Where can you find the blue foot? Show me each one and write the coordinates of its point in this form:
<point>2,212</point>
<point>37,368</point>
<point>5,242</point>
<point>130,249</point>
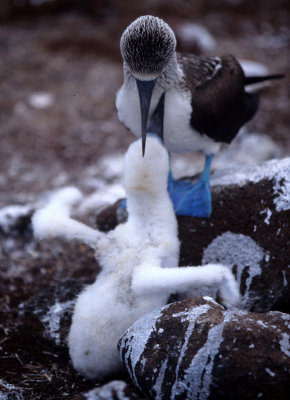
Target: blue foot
<point>123,204</point>
<point>192,199</point>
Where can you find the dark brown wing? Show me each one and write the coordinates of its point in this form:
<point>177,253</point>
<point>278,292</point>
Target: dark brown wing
<point>220,105</point>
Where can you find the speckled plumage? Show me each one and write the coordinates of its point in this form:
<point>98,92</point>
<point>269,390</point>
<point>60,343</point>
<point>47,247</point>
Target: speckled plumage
<point>205,98</point>
<point>151,54</point>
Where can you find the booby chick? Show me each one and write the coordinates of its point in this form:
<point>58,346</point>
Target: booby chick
<point>205,101</point>
<point>138,259</point>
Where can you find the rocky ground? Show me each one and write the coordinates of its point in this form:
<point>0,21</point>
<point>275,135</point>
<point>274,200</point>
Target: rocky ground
<point>59,74</point>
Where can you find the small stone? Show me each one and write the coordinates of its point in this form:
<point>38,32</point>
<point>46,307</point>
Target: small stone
<point>40,100</point>
<point>114,390</point>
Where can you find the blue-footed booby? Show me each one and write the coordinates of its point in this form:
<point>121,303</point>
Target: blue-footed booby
<point>200,102</point>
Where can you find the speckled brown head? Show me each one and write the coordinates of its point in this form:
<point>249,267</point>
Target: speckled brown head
<point>147,47</point>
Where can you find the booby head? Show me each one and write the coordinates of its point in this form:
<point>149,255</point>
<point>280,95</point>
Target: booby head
<point>147,46</point>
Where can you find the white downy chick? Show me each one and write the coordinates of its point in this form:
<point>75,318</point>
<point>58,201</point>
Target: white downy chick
<point>108,307</point>
<point>139,261</point>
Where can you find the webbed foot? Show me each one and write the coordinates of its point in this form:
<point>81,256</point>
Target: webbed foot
<point>192,199</point>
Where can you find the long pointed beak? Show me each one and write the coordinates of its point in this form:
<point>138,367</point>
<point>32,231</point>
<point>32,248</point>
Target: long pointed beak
<point>145,89</point>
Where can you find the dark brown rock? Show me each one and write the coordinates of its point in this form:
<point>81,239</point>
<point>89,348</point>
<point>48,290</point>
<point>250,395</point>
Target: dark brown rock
<point>109,217</point>
<point>15,221</point>
<point>195,349</point>
<point>51,310</point>
<point>248,231</point>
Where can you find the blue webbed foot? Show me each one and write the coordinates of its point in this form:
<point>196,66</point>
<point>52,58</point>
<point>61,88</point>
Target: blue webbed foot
<point>192,199</point>
<point>123,204</point>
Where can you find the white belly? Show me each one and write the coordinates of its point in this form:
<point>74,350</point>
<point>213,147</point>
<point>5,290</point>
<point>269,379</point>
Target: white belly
<point>178,134</point>
<point>100,318</point>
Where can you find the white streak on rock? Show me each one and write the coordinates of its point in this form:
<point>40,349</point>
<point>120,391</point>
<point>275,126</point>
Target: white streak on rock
<point>261,323</point>
<point>282,190</point>
<point>198,376</point>
<point>157,388</point>
<point>236,250</point>
<point>285,344</point>
<point>268,215</point>
<point>271,373</point>
<point>285,317</point>
<point>51,320</point>
<point>208,298</point>
<point>285,282</point>
<point>138,335</point>
<point>190,316</point>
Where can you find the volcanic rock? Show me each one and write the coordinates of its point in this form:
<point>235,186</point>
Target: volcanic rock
<point>15,220</point>
<point>195,349</point>
<point>248,231</point>
<point>52,310</point>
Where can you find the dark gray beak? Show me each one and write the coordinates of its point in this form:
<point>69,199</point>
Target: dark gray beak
<point>145,89</point>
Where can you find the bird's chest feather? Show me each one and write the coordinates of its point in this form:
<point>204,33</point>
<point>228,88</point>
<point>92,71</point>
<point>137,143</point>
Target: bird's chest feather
<point>179,136</point>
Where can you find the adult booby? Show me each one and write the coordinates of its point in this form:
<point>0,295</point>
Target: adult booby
<point>203,99</point>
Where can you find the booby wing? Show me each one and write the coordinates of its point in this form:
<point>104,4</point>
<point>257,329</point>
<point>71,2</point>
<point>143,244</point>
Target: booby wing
<point>220,105</point>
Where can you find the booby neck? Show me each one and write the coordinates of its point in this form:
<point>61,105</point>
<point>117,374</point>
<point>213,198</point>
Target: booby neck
<point>145,210</point>
<point>145,181</point>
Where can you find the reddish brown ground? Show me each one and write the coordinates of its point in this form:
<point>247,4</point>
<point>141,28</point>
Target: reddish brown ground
<point>76,58</point>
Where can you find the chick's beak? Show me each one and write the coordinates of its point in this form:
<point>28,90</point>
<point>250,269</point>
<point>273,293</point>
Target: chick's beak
<point>145,89</point>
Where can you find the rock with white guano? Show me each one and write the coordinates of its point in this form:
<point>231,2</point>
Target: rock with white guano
<point>51,309</point>
<point>248,231</point>
<point>195,349</point>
